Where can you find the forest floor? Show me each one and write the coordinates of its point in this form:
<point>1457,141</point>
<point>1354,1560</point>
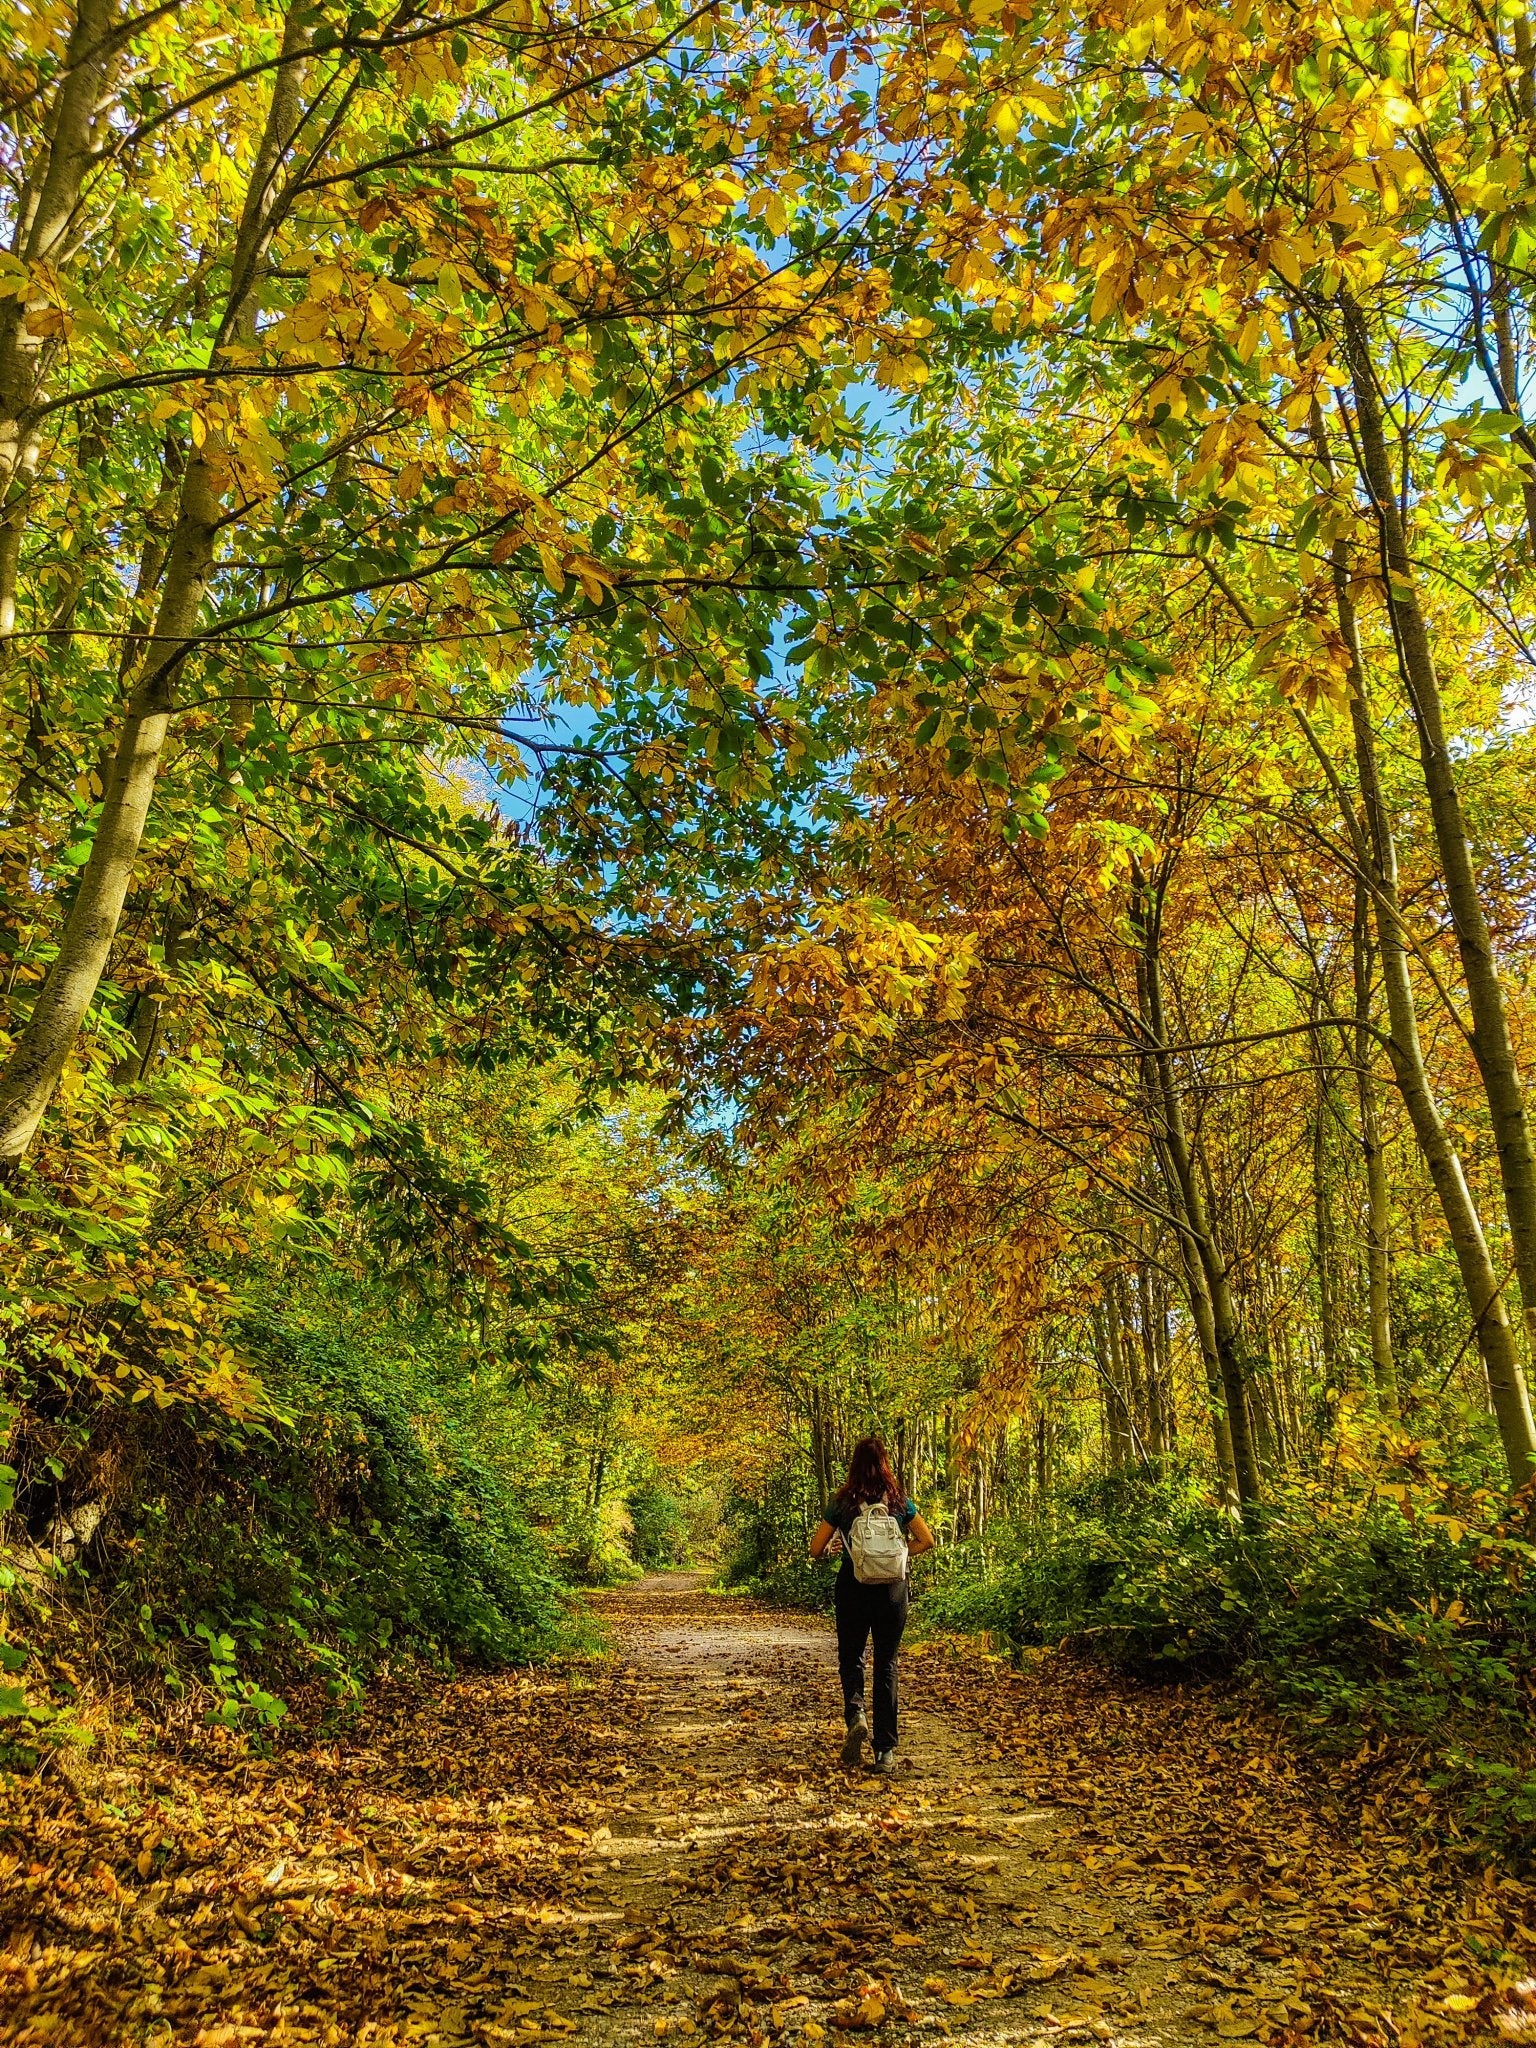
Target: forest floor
<point>662,1845</point>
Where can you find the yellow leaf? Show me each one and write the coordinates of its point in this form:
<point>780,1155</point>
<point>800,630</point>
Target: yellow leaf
<point>554,573</point>
<point>1282,257</point>
<point>310,322</point>
<point>1106,296</point>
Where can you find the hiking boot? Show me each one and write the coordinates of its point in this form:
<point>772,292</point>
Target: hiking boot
<point>853,1742</point>
<point>883,1764</point>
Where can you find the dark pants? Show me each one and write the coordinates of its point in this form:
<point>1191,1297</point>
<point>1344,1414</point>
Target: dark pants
<point>862,1612</point>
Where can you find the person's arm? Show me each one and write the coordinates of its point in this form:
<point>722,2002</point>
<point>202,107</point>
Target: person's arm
<point>920,1537</point>
<point>823,1535</point>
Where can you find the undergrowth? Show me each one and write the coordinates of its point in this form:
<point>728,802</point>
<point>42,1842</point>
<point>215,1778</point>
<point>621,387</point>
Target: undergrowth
<point>767,1535</point>
<point>361,1523</point>
<point>1386,1612</point>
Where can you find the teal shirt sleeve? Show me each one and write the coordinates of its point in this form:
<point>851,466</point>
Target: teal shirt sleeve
<point>841,1516</point>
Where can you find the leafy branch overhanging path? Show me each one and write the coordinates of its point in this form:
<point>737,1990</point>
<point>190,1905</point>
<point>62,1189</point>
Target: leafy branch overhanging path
<point>662,1847</point>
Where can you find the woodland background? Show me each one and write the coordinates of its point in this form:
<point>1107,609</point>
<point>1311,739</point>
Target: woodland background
<point>720,725</point>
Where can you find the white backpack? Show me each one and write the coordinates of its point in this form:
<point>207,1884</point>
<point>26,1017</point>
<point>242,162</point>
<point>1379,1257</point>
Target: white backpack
<point>877,1547</point>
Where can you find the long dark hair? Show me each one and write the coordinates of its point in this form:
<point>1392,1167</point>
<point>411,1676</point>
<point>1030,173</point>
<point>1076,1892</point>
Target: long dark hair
<point>870,1477</point>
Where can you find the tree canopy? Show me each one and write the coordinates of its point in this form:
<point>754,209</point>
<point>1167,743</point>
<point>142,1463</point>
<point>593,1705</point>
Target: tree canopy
<point>723,724</point>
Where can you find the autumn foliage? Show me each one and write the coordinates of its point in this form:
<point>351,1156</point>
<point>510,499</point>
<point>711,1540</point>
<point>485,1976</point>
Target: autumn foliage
<point>726,725</point>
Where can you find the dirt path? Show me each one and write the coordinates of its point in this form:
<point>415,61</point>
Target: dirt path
<point>663,1847</point>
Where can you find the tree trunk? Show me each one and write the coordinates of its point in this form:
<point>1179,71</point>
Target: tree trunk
<point>1222,1338</point>
<point>1197,1295</point>
<point>1494,1331</point>
<point>1378,1259</point>
<point>47,228</point>
<point>1042,1465</point>
<point>42,1047</point>
<point>32,1072</point>
<point>1324,1236</point>
<point>1161,1425</point>
<point>1258,1314</point>
<point>1106,1345</point>
<point>1509,378</point>
<point>1492,1044</point>
<point>1133,1361</point>
<point>821,1449</point>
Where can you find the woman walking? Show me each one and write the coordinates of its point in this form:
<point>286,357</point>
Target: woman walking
<point>879,1530</point>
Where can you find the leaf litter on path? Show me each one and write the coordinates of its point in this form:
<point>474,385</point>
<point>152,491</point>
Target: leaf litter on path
<point>663,1847</point>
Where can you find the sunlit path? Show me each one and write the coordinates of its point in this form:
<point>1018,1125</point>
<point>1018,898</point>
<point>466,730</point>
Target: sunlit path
<point>663,1847</point>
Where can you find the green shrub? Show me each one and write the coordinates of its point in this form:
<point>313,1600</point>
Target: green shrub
<point>658,1536</point>
<point>768,1535</point>
<point>367,1525</point>
<point>593,1545</point>
<point>1375,1606</point>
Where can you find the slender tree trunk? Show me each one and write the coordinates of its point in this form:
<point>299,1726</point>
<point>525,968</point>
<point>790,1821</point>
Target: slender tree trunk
<point>1324,1236</point>
<point>47,230</point>
<point>1258,1314</point>
<point>45,1043</point>
<point>821,1449</point>
<point>1218,1304</point>
<point>1494,1331</point>
<point>1492,1043</point>
<point>1132,1363</point>
<point>43,1046</point>
<point>1509,377</point>
<point>1378,1215</point>
<point>1112,1384</point>
<point>1197,1294</point>
<point>1154,1330</point>
<point>144,1021</point>
<point>1162,1291</point>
